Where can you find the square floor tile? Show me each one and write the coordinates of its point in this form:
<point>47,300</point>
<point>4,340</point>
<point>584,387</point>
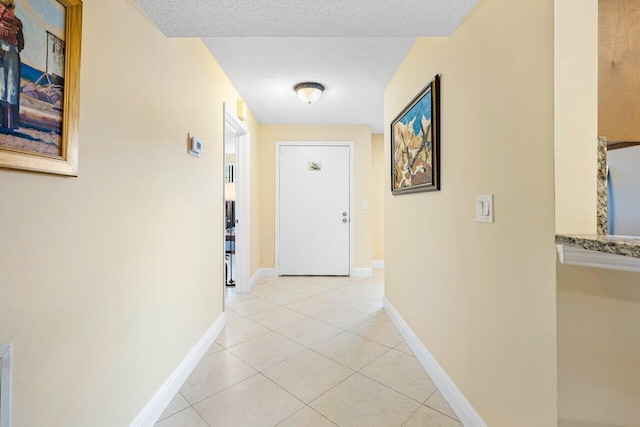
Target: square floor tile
<point>306,417</point>
<point>307,375</point>
<point>185,418</point>
<point>307,288</point>
<point>177,404</point>
<point>380,331</point>
<point>309,332</point>
<point>366,305</point>
<point>283,296</point>
<point>238,331</point>
<point>340,297</point>
<point>342,317</point>
<point>215,347</point>
<point>251,306</point>
<point>261,289</point>
<point>404,347</point>
<point>437,401</point>
<point>364,289</point>
<point>276,317</point>
<point>231,315</point>
<point>401,372</point>
<point>351,350</point>
<point>359,401</point>
<point>256,402</point>
<point>215,373</point>
<point>312,305</point>
<point>331,282</point>
<point>384,316</point>
<point>266,350</point>
<point>290,282</point>
<point>427,417</point>
<point>233,297</point>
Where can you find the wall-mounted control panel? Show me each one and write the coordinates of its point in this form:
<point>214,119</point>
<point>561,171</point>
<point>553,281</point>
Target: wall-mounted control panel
<point>484,208</point>
<point>195,146</point>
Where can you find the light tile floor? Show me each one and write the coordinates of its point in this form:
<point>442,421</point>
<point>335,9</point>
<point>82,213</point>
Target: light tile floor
<point>309,351</point>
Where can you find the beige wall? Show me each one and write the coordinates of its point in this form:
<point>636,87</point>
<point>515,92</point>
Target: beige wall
<point>361,137</point>
<point>598,309</point>
<point>576,115</point>
<point>598,346</point>
<point>108,280</point>
<point>378,189</point>
<point>481,297</point>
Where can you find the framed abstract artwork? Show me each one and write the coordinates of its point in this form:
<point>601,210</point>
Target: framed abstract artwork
<point>39,84</point>
<point>415,143</point>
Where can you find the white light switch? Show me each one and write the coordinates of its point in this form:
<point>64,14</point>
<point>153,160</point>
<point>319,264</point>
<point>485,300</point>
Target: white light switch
<point>484,208</point>
<point>365,205</point>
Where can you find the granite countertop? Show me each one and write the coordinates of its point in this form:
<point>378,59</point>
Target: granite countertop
<point>617,245</point>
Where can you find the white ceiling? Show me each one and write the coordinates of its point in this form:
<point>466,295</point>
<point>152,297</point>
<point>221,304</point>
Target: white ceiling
<point>352,47</point>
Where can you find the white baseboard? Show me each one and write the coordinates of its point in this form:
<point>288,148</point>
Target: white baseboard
<point>460,405</point>
<point>362,272</point>
<point>377,264</point>
<point>268,272</point>
<point>261,272</point>
<point>5,384</point>
<point>159,402</point>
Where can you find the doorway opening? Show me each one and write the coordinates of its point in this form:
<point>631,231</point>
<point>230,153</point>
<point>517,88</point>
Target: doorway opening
<point>236,204</point>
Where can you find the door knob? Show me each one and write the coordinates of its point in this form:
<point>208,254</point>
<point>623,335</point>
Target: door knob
<point>344,214</point>
<point>344,220</point>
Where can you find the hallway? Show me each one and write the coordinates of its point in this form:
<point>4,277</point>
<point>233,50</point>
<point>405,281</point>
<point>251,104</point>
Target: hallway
<point>309,351</point>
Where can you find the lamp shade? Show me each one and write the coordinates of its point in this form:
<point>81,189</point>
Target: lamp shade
<point>230,191</point>
<point>309,92</point>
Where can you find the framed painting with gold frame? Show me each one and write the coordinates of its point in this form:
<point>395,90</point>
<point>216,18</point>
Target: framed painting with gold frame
<point>40,43</point>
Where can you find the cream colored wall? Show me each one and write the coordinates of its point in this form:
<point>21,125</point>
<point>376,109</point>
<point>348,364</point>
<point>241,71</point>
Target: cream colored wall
<point>576,115</point>
<point>481,297</point>
<point>378,172</point>
<point>598,309</point>
<point>108,280</point>
<point>598,345</point>
<point>361,136</point>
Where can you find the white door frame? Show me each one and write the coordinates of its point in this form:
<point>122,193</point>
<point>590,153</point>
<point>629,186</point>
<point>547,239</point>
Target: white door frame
<point>351,192</point>
<point>242,255</point>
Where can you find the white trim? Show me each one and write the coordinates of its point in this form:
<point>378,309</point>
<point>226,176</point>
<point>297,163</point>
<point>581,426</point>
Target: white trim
<point>578,256</point>
<point>242,255</point>
<point>260,273</point>
<point>5,385</point>
<point>159,402</point>
<point>351,194</point>
<point>460,405</point>
<point>254,279</point>
<point>268,272</point>
<point>362,272</point>
<point>377,264</point>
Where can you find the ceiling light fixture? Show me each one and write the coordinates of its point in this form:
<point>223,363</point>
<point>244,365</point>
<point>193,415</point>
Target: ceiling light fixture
<point>309,92</point>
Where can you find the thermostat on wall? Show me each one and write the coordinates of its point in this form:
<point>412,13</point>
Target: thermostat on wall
<point>195,146</point>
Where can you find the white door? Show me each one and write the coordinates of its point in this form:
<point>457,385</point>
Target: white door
<point>314,210</point>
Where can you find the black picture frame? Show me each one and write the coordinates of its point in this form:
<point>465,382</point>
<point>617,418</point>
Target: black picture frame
<point>415,158</point>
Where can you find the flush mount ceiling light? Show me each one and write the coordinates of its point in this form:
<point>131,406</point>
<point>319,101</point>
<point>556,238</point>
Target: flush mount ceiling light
<point>308,92</point>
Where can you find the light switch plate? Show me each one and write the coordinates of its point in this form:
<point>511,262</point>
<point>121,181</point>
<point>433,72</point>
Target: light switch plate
<point>365,205</point>
<point>484,208</point>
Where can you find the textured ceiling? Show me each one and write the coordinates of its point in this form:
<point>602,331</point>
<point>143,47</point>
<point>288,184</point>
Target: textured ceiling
<point>307,18</point>
<point>352,47</point>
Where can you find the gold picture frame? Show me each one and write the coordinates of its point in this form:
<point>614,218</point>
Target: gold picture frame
<point>65,161</point>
